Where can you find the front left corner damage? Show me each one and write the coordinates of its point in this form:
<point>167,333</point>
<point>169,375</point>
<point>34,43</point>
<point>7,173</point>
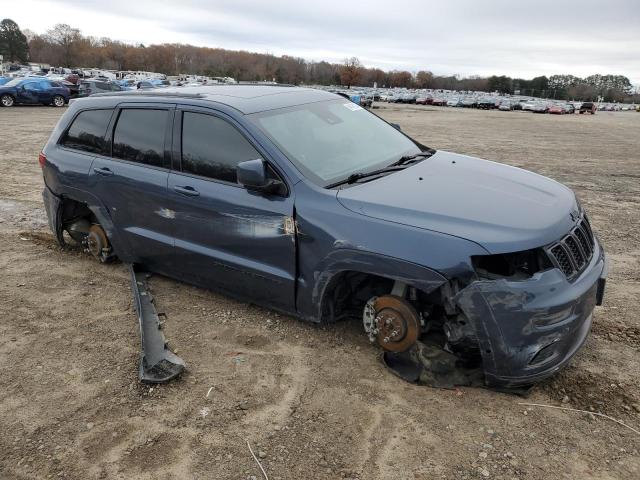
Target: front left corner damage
<point>529,329</point>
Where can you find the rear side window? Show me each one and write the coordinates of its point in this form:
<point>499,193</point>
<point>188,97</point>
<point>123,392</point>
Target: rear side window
<point>87,131</point>
<point>139,136</point>
<point>211,147</point>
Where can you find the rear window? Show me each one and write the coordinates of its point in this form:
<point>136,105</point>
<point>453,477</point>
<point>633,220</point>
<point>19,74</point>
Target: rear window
<point>87,131</point>
<point>139,136</point>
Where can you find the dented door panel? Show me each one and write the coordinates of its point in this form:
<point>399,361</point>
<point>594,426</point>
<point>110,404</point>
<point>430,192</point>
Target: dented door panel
<point>239,241</point>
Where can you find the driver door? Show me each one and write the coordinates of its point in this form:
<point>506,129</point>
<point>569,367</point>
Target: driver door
<point>29,92</point>
<point>230,238</point>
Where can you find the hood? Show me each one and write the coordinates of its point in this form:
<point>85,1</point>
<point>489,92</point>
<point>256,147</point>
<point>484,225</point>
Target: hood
<point>502,208</point>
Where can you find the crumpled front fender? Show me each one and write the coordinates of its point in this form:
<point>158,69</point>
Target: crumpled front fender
<point>529,329</point>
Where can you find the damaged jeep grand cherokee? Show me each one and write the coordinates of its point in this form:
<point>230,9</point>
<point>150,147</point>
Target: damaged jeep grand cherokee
<point>462,270</point>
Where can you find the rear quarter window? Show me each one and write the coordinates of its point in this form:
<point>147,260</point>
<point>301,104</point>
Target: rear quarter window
<point>87,131</point>
<point>139,136</point>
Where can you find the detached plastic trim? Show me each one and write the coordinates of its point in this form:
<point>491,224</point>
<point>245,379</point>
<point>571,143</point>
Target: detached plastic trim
<point>158,364</point>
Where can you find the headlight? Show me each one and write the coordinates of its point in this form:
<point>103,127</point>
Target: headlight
<point>512,266</point>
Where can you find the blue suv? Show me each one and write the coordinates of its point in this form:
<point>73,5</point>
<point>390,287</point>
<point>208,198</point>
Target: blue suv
<point>302,201</point>
<point>32,91</point>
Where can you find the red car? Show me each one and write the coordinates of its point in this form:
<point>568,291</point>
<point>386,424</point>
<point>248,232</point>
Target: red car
<point>557,109</point>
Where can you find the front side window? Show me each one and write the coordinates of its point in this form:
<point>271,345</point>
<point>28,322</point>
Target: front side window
<point>87,131</point>
<point>328,141</point>
<point>139,136</point>
<point>211,147</point>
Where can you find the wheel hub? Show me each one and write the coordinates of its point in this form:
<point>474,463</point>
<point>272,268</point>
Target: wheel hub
<point>392,322</point>
<point>97,243</point>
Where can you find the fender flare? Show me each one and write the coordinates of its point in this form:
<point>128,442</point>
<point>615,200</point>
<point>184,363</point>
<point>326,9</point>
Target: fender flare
<point>54,207</point>
<point>352,260</point>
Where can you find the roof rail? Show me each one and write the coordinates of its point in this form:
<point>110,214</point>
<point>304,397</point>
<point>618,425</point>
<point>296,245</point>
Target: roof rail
<point>149,93</point>
<point>258,84</point>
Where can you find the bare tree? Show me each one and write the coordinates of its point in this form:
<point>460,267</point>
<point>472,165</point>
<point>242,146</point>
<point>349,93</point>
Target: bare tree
<point>350,72</point>
<point>67,39</point>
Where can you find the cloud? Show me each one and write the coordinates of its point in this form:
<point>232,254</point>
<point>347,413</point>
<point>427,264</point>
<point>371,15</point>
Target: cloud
<point>451,37</point>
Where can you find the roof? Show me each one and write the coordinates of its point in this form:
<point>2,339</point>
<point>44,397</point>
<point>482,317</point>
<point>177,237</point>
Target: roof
<point>245,98</point>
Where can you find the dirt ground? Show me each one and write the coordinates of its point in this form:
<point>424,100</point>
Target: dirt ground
<point>314,402</point>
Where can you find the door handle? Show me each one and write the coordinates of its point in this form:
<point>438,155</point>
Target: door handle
<point>186,190</point>
<point>103,171</point>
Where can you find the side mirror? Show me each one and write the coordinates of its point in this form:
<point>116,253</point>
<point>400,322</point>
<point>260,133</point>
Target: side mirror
<point>252,175</point>
<point>396,126</point>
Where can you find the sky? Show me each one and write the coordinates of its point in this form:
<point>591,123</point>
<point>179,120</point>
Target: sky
<point>464,37</point>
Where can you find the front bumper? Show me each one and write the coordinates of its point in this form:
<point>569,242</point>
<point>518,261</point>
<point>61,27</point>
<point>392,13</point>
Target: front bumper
<point>528,330</point>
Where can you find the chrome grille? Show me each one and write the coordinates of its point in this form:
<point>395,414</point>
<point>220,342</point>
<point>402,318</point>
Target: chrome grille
<point>579,258</point>
<point>573,252</point>
<point>562,259</point>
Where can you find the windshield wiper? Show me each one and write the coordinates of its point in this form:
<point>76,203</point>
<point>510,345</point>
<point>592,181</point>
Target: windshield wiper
<point>405,159</point>
<point>395,166</point>
<point>354,177</point>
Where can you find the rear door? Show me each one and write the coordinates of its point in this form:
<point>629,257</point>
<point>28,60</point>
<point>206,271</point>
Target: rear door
<point>225,236</point>
<point>132,182</point>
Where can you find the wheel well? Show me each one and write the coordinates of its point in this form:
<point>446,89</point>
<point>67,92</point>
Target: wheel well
<point>348,292</point>
<point>73,210</point>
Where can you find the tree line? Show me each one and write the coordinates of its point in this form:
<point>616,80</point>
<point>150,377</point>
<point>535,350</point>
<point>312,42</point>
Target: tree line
<point>66,46</point>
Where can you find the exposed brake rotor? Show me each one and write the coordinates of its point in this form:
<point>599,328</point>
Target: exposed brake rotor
<point>392,322</point>
<point>97,243</point>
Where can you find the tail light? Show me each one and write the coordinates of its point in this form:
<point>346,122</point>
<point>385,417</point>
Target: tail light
<point>42,159</point>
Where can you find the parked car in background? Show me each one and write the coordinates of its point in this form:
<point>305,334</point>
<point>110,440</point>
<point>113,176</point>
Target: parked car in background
<point>556,109</point>
<point>486,103</point>
<point>152,83</point>
<point>34,91</point>
<point>569,108</point>
<point>469,102</point>
<point>127,83</point>
<point>366,100</point>
<point>588,107</point>
<point>73,88</point>
<point>540,107</point>
<point>91,87</point>
<point>506,105</point>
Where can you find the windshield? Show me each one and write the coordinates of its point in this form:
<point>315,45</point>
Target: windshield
<point>328,141</point>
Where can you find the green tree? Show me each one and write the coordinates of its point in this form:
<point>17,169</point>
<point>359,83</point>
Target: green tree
<point>502,84</point>
<point>13,43</point>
